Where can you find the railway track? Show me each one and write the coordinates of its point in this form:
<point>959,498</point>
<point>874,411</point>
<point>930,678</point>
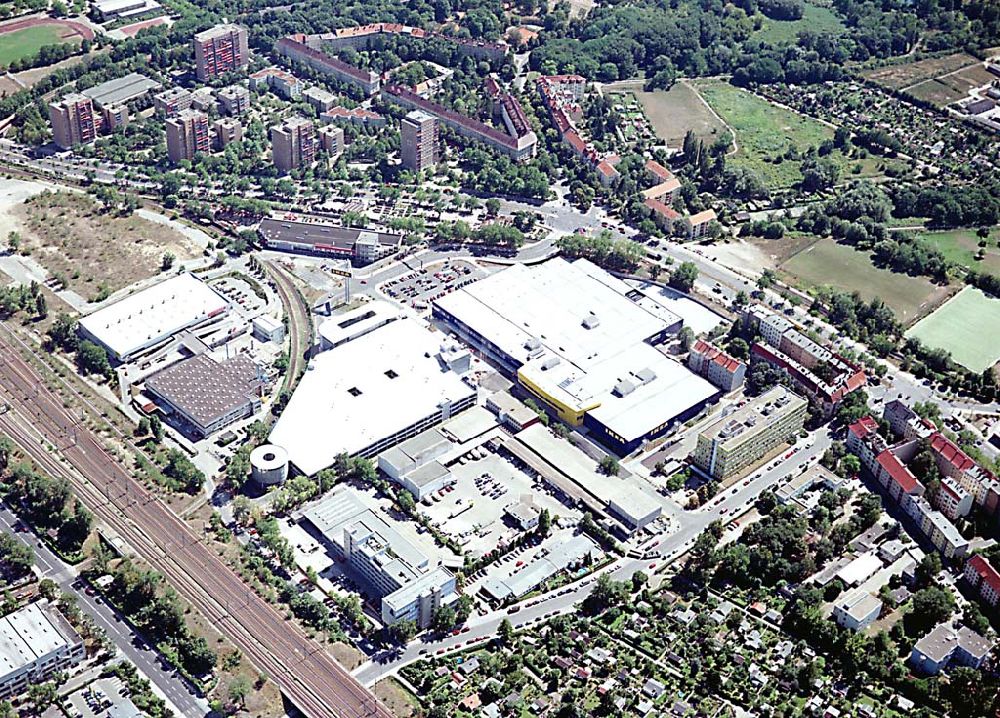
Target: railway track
<point>298,325</point>
<point>39,423</point>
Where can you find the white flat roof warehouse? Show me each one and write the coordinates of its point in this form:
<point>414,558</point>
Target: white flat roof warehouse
<point>146,317</point>
<point>366,391</point>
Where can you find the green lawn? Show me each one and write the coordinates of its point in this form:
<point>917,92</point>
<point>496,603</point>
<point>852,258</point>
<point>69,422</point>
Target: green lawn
<point>28,41</point>
<point>765,132</point>
<point>967,325</point>
<point>961,245</point>
<point>826,263</point>
<point>815,18</point>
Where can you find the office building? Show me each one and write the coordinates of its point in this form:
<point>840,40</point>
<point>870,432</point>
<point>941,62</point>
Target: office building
<point>268,329</point>
<point>219,50</point>
<point>715,365</point>
<point>226,131</point>
<point>73,121</point>
<point>369,394</point>
<point>173,101</point>
<point>396,570</point>
<point>331,139</point>
<point>202,396</point>
<point>581,341</point>
<point>739,440</point>
<point>418,141</point>
<point>35,643</point>
<point>235,99</point>
<point>293,144</point>
<point>150,317</point>
<point>187,135</point>
<point>945,646</point>
<point>857,610</point>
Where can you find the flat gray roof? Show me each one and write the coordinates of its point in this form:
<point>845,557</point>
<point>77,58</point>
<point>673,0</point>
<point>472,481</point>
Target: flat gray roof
<point>205,389</point>
<point>121,90</point>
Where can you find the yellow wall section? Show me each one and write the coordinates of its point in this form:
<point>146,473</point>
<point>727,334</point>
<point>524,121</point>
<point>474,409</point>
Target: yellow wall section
<point>570,414</point>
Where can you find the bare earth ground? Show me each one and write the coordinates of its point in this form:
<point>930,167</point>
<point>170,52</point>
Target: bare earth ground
<point>347,656</point>
<point>72,236</point>
<point>899,76</point>
<point>30,77</point>
<point>675,111</point>
<point>397,699</point>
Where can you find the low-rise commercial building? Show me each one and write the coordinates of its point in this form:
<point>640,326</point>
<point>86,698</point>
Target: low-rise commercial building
<point>108,10</point>
<point>736,442</point>
<point>204,396</point>
<point>121,90</point>
<point>268,329</point>
<point>35,643</point>
<point>562,557</point>
<point>368,395</point>
<point>323,237</point>
<point>414,465</point>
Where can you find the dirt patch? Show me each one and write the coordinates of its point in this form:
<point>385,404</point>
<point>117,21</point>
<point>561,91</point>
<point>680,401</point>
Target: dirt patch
<point>673,112</point>
<point>779,251</point>
<point>397,699</point>
<point>897,77</point>
<point>347,656</point>
<point>36,75</point>
<point>95,252</point>
<point>263,699</point>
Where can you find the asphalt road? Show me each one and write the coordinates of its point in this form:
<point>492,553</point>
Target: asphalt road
<point>563,600</point>
<point>176,688</point>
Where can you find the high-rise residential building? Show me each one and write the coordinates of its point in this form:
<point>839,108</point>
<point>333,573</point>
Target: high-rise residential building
<point>187,134</point>
<point>737,441</point>
<point>169,102</point>
<point>332,141</point>
<point>293,144</point>
<point>419,140</point>
<point>115,117</point>
<point>227,130</point>
<point>73,121</point>
<point>219,50</point>
<point>235,99</point>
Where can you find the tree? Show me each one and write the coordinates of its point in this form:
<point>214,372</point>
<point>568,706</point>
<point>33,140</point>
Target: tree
<point>639,579</point>
<point>92,359</point>
<point>506,632</point>
<point>544,523</point>
<point>930,607</point>
<point>239,689</point>
<point>42,695</point>
<point>41,306</point>
<point>403,631</point>
<point>492,207</point>
<point>609,465</point>
<point>684,277</point>
<point>444,619</point>
<point>972,693</point>
<point>156,427</point>
<point>167,261</point>
<point>62,333</point>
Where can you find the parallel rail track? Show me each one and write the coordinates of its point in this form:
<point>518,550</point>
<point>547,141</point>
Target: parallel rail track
<point>307,675</point>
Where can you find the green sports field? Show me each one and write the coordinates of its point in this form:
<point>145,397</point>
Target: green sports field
<point>27,41</point>
<point>967,325</point>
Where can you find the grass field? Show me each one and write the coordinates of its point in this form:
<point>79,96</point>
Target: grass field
<point>675,111</point>
<point>765,132</point>
<point>967,325</point>
<point>815,18</point>
<point>826,263</point>
<point>26,42</point>
<point>961,245</point>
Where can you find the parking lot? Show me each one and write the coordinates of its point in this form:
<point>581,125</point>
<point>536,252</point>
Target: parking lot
<point>103,697</point>
<point>420,287</point>
<point>472,509</point>
<point>241,294</point>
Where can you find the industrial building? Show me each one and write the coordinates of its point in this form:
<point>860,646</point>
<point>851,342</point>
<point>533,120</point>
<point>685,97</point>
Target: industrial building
<point>35,642</point>
<point>581,341</point>
<point>109,10</point>
<point>396,570</point>
<point>368,395</point>
<point>221,49</point>
<point>153,315</point>
<point>737,441</point>
<point>321,237</point>
<point>204,396</point>
<point>563,557</point>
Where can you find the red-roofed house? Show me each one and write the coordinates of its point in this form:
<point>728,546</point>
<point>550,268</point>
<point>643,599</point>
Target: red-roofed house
<point>715,365</point>
<point>954,462</point>
<point>984,578</point>
<point>663,214</point>
<point>864,442</point>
